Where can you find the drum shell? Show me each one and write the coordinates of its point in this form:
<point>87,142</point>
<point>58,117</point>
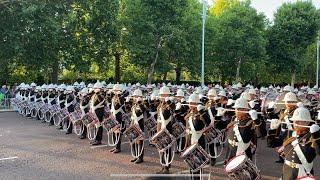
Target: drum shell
<point>134,133</point>
<point>245,170</point>
<point>163,140</point>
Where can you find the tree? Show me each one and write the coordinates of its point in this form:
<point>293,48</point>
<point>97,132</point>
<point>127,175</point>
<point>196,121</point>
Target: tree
<point>237,42</point>
<point>295,28</point>
<point>150,25</point>
<point>221,6</point>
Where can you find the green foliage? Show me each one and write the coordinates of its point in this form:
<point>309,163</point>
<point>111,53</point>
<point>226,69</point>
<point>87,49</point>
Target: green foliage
<point>141,40</point>
<point>295,28</point>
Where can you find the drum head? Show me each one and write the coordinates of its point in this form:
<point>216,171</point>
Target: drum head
<point>235,162</point>
<point>189,149</point>
<point>269,97</point>
<point>307,178</point>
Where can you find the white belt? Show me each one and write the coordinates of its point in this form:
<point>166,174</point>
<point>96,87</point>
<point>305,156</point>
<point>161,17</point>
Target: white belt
<point>293,165</point>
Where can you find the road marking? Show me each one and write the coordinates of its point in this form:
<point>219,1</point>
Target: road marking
<point>158,175</point>
<point>8,158</point>
<point>100,146</point>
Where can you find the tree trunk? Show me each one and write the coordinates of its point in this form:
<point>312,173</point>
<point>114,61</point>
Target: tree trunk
<point>165,76</point>
<point>293,78</point>
<point>55,72</point>
<point>151,69</point>
<point>178,75</point>
<point>117,76</point>
<point>238,71</point>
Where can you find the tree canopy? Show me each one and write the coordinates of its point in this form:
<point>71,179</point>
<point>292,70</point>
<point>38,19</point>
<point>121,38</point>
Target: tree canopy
<point>153,40</point>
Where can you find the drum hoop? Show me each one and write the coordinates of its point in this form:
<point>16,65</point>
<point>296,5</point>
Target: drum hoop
<point>232,160</point>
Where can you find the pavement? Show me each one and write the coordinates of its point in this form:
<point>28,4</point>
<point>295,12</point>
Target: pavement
<point>32,150</point>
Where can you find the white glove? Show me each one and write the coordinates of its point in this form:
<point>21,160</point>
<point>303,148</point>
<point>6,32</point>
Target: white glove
<point>220,111</point>
<point>139,99</point>
<point>274,124</point>
<point>230,102</point>
<point>299,104</point>
<point>253,114</point>
<point>178,106</point>
<point>252,103</point>
<point>314,128</point>
<point>182,100</point>
<point>200,107</point>
<point>153,97</point>
<point>127,99</point>
<point>216,98</point>
<point>167,99</point>
<point>271,105</point>
<point>200,96</point>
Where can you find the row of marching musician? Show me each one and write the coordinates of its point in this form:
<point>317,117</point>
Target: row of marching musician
<point>198,123</point>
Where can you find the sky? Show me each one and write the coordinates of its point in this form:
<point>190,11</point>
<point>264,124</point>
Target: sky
<point>268,7</point>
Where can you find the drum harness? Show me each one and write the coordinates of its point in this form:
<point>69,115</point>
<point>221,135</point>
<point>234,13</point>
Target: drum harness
<point>304,168</point>
<point>136,148</point>
<point>167,160</point>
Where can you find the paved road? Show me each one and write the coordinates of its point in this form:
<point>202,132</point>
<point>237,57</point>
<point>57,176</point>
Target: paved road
<point>37,151</point>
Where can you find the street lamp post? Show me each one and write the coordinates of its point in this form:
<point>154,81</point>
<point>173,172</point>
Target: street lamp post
<point>318,45</point>
<point>204,13</point>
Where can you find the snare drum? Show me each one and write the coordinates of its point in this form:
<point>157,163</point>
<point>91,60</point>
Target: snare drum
<point>150,124</point>
<point>178,130</point>
<point>134,133</point>
<point>195,157</point>
<point>163,140</point>
<point>212,134</point>
<point>88,119</point>
<point>242,168</point>
<point>110,124</point>
<point>75,116</point>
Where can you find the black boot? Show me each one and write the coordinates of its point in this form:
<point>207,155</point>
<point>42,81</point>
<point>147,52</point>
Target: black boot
<point>161,171</point>
<point>213,162</point>
<point>111,150</point>
<point>166,170</point>
<point>133,159</point>
<point>116,151</point>
<point>139,160</point>
<point>96,143</point>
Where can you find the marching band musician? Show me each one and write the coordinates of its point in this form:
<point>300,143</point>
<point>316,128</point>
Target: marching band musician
<point>300,150</point>
<point>255,104</point>
<point>70,104</point>
<point>84,97</point>
<point>279,130</point>
<point>165,115</point>
<point>44,96</point>
<point>137,118</point>
<point>179,114</point>
<point>32,92</point>
<point>51,99</point>
<point>61,99</point>
<point>242,131</point>
<point>153,104</point>
<point>97,103</point>
<point>196,122</point>
<point>117,110</point>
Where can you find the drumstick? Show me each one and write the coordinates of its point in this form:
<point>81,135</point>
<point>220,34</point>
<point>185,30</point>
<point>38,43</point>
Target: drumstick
<point>269,120</point>
<point>234,110</point>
